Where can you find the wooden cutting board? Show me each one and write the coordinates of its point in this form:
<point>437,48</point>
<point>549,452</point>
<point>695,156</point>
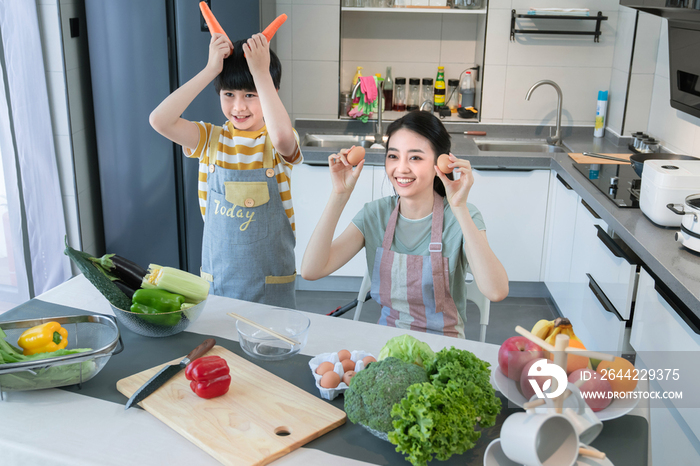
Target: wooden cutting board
<point>580,158</point>
<point>261,418</point>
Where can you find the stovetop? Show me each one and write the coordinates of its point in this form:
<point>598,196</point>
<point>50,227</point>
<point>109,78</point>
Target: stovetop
<point>619,182</point>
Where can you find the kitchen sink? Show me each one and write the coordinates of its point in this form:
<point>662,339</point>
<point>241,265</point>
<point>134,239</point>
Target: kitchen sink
<point>517,146</point>
<point>337,141</point>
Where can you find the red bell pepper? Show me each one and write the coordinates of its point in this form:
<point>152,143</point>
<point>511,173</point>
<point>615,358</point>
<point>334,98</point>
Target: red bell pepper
<point>209,375</point>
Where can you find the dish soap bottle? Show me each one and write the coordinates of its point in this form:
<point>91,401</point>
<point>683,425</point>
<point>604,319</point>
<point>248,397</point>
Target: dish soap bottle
<point>439,98</point>
<point>355,98</point>
<point>388,90</point>
<point>601,107</point>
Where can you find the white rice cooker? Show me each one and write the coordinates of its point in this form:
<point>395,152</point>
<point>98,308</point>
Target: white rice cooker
<point>689,236</point>
<point>667,182</point>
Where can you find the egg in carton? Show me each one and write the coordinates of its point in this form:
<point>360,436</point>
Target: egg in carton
<point>330,393</point>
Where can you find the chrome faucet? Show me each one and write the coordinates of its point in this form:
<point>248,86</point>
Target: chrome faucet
<point>428,104</point>
<point>378,135</point>
<point>556,140</point>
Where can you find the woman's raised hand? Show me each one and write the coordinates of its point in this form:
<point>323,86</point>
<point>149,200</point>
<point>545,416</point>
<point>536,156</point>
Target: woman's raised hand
<point>343,176</point>
<point>457,191</point>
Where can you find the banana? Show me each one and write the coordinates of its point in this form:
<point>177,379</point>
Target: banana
<point>561,325</point>
<point>542,328</point>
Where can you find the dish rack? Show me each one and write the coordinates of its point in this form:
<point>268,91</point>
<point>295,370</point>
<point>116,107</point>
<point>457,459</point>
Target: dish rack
<point>99,332</point>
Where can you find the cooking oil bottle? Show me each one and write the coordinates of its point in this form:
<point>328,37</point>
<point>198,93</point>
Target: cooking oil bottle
<point>439,98</point>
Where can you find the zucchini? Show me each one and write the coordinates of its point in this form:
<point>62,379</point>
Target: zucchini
<point>103,284</point>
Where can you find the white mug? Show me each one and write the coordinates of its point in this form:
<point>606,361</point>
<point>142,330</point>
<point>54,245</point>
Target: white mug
<point>540,439</point>
<point>585,421</point>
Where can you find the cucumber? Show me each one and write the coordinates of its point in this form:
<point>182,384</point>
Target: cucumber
<point>103,284</point>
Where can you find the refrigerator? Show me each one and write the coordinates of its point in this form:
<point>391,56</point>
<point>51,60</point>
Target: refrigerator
<point>140,51</point>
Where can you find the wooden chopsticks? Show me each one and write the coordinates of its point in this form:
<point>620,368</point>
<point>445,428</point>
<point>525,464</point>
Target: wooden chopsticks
<point>269,331</point>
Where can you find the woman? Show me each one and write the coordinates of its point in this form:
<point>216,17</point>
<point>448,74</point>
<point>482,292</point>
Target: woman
<point>419,242</point>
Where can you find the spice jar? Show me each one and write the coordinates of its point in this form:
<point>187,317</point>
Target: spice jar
<point>452,95</point>
<point>399,95</point>
<point>413,94</point>
<point>427,92</point>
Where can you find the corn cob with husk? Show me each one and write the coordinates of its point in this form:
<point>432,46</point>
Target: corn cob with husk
<point>195,289</point>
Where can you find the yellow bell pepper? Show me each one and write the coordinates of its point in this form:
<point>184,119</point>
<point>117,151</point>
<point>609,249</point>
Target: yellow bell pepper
<point>44,338</point>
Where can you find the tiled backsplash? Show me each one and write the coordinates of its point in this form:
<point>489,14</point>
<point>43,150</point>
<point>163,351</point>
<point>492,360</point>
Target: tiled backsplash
<point>579,65</point>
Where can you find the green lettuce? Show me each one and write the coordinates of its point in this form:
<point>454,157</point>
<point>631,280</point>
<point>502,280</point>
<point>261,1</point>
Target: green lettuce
<point>440,418</point>
<point>407,349</point>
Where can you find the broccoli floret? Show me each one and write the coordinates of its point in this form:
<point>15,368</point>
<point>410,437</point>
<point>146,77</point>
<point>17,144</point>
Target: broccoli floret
<point>374,391</point>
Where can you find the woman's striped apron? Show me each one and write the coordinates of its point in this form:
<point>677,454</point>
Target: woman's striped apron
<point>414,291</point>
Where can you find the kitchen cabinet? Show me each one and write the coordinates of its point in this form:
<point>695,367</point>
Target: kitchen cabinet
<point>413,42</point>
<point>595,318</point>
<point>311,188</point>
<point>664,337</point>
<point>514,206</point>
<point>559,240</point>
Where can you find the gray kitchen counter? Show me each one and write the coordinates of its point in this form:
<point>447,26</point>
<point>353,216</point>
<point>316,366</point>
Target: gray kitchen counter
<point>678,268</point>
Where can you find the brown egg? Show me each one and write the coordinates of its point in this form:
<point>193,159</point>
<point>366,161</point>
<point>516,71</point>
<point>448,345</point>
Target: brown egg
<point>330,380</point>
<point>343,355</point>
<point>356,155</point>
<point>324,367</point>
<point>348,365</point>
<point>347,376</point>
<point>368,359</point>
<point>442,163</point>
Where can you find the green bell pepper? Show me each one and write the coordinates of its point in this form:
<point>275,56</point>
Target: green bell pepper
<point>151,302</point>
<point>160,300</point>
<point>153,316</point>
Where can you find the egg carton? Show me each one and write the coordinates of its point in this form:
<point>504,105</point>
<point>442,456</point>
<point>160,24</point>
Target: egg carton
<point>331,393</point>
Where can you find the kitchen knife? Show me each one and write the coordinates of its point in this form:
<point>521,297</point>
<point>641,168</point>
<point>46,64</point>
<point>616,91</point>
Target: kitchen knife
<point>606,157</point>
<point>168,372</point>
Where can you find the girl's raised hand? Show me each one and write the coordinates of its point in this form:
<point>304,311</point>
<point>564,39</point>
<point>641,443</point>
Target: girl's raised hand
<point>343,176</point>
<point>457,191</point>
<point>219,48</point>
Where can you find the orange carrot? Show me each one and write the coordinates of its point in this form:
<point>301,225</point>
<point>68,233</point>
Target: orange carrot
<point>270,31</point>
<point>212,23</point>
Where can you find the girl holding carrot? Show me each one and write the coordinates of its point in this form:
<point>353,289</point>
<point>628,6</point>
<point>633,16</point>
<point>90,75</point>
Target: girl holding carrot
<point>419,242</point>
<point>245,169</point>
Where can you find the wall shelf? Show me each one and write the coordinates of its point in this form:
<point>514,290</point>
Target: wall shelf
<point>598,19</point>
<point>445,11</point>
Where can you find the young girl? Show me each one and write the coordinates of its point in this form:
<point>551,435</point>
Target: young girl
<point>419,242</point>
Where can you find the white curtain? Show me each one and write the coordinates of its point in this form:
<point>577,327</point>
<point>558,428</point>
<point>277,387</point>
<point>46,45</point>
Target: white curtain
<point>33,149</point>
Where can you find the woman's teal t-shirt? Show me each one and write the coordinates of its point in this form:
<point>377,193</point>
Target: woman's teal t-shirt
<point>413,237</point>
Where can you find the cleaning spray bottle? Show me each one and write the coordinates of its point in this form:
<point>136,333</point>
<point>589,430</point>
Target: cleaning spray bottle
<point>600,110</point>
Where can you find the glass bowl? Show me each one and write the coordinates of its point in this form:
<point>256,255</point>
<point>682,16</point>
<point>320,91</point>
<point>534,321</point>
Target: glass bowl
<point>150,325</point>
<point>261,345</point>
<point>100,333</point>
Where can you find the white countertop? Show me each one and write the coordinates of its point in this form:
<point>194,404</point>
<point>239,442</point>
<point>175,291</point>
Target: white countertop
<point>63,428</point>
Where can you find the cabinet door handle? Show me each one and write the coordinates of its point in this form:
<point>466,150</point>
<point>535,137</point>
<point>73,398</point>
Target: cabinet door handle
<point>602,299</point>
<point>566,185</point>
<point>688,316</point>
<point>501,168</point>
<point>590,209</point>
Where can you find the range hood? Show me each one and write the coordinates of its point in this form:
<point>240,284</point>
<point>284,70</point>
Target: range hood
<point>682,10</point>
<point>683,48</point>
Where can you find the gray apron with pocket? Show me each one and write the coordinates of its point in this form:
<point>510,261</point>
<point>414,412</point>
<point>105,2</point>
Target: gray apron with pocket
<point>248,243</point>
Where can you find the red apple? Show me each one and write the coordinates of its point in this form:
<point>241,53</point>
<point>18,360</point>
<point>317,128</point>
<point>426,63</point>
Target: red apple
<point>525,385</point>
<point>594,384</point>
<point>514,353</point>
